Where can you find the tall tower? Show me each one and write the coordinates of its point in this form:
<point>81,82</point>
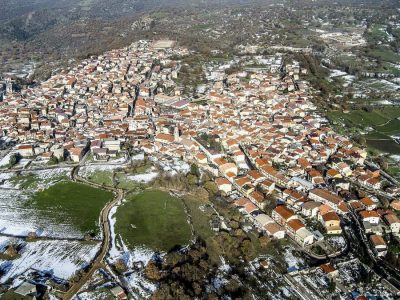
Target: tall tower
<point>9,86</point>
<point>176,133</point>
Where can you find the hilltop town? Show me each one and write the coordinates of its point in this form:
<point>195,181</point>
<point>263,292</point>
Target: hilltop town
<point>268,150</point>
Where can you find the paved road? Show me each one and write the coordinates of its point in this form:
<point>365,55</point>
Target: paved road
<point>98,261</point>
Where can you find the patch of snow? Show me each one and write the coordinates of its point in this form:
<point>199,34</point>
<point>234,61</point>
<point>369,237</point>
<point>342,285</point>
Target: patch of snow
<point>6,159</point>
<point>18,218</point>
<point>292,261</point>
<point>348,80</point>
<point>385,102</point>
<point>51,173</point>
<point>88,170</point>
<point>119,250</point>
<point>395,157</point>
<point>139,156</point>
<point>61,258</point>
<point>143,178</point>
<point>337,73</point>
<point>139,284</point>
<point>93,295</point>
<point>113,252</point>
<point>224,266</point>
<point>173,166</point>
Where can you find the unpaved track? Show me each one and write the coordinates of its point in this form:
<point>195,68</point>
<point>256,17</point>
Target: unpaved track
<point>98,261</point>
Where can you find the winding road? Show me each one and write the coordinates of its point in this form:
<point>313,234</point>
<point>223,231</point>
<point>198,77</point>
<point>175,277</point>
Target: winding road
<point>99,260</point>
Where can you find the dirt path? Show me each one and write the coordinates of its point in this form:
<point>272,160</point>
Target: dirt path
<point>98,261</point>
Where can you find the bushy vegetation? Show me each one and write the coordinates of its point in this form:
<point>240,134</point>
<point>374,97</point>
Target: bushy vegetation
<point>188,275</point>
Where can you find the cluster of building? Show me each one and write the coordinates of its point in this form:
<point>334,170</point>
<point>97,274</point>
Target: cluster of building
<point>96,105</point>
<point>257,132</point>
<point>347,275</point>
<point>261,136</point>
<point>346,39</point>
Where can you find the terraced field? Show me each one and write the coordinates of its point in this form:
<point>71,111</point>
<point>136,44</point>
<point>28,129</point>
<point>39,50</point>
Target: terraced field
<point>378,125</point>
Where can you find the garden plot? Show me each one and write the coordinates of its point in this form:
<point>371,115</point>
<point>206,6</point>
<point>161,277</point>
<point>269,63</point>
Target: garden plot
<point>337,242</point>
<point>60,258</point>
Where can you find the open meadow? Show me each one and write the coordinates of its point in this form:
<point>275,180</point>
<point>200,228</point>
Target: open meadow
<point>153,219</point>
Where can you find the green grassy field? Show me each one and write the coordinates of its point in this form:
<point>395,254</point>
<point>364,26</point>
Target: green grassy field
<point>76,204</point>
<point>393,127</point>
<point>102,177</point>
<point>153,219</point>
<point>124,183</point>
<point>27,181</point>
<point>394,171</point>
<point>387,146</point>
<point>383,121</point>
<point>362,118</point>
<point>377,32</point>
<point>384,54</point>
<point>200,217</point>
<point>31,181</point>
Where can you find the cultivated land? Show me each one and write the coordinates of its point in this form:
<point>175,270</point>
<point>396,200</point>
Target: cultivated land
<point>153,219</point>
<point>75,204</point>
<point>376,125</point>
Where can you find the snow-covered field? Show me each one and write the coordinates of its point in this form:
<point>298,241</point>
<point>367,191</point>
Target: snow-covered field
<point>15,218</point>
<point>43,178</point>
<point>396,157</point>
<point>6,159</point>
<point>172,166</point>
<point>61,258</point>
<point>18,218</point>
<point>348,79</point>
<point>147,177</point>
<point>138,157</point>
<point>119,250</point>
<point>86,171</point>
<point>93,295</point>
<point>337,73</point>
